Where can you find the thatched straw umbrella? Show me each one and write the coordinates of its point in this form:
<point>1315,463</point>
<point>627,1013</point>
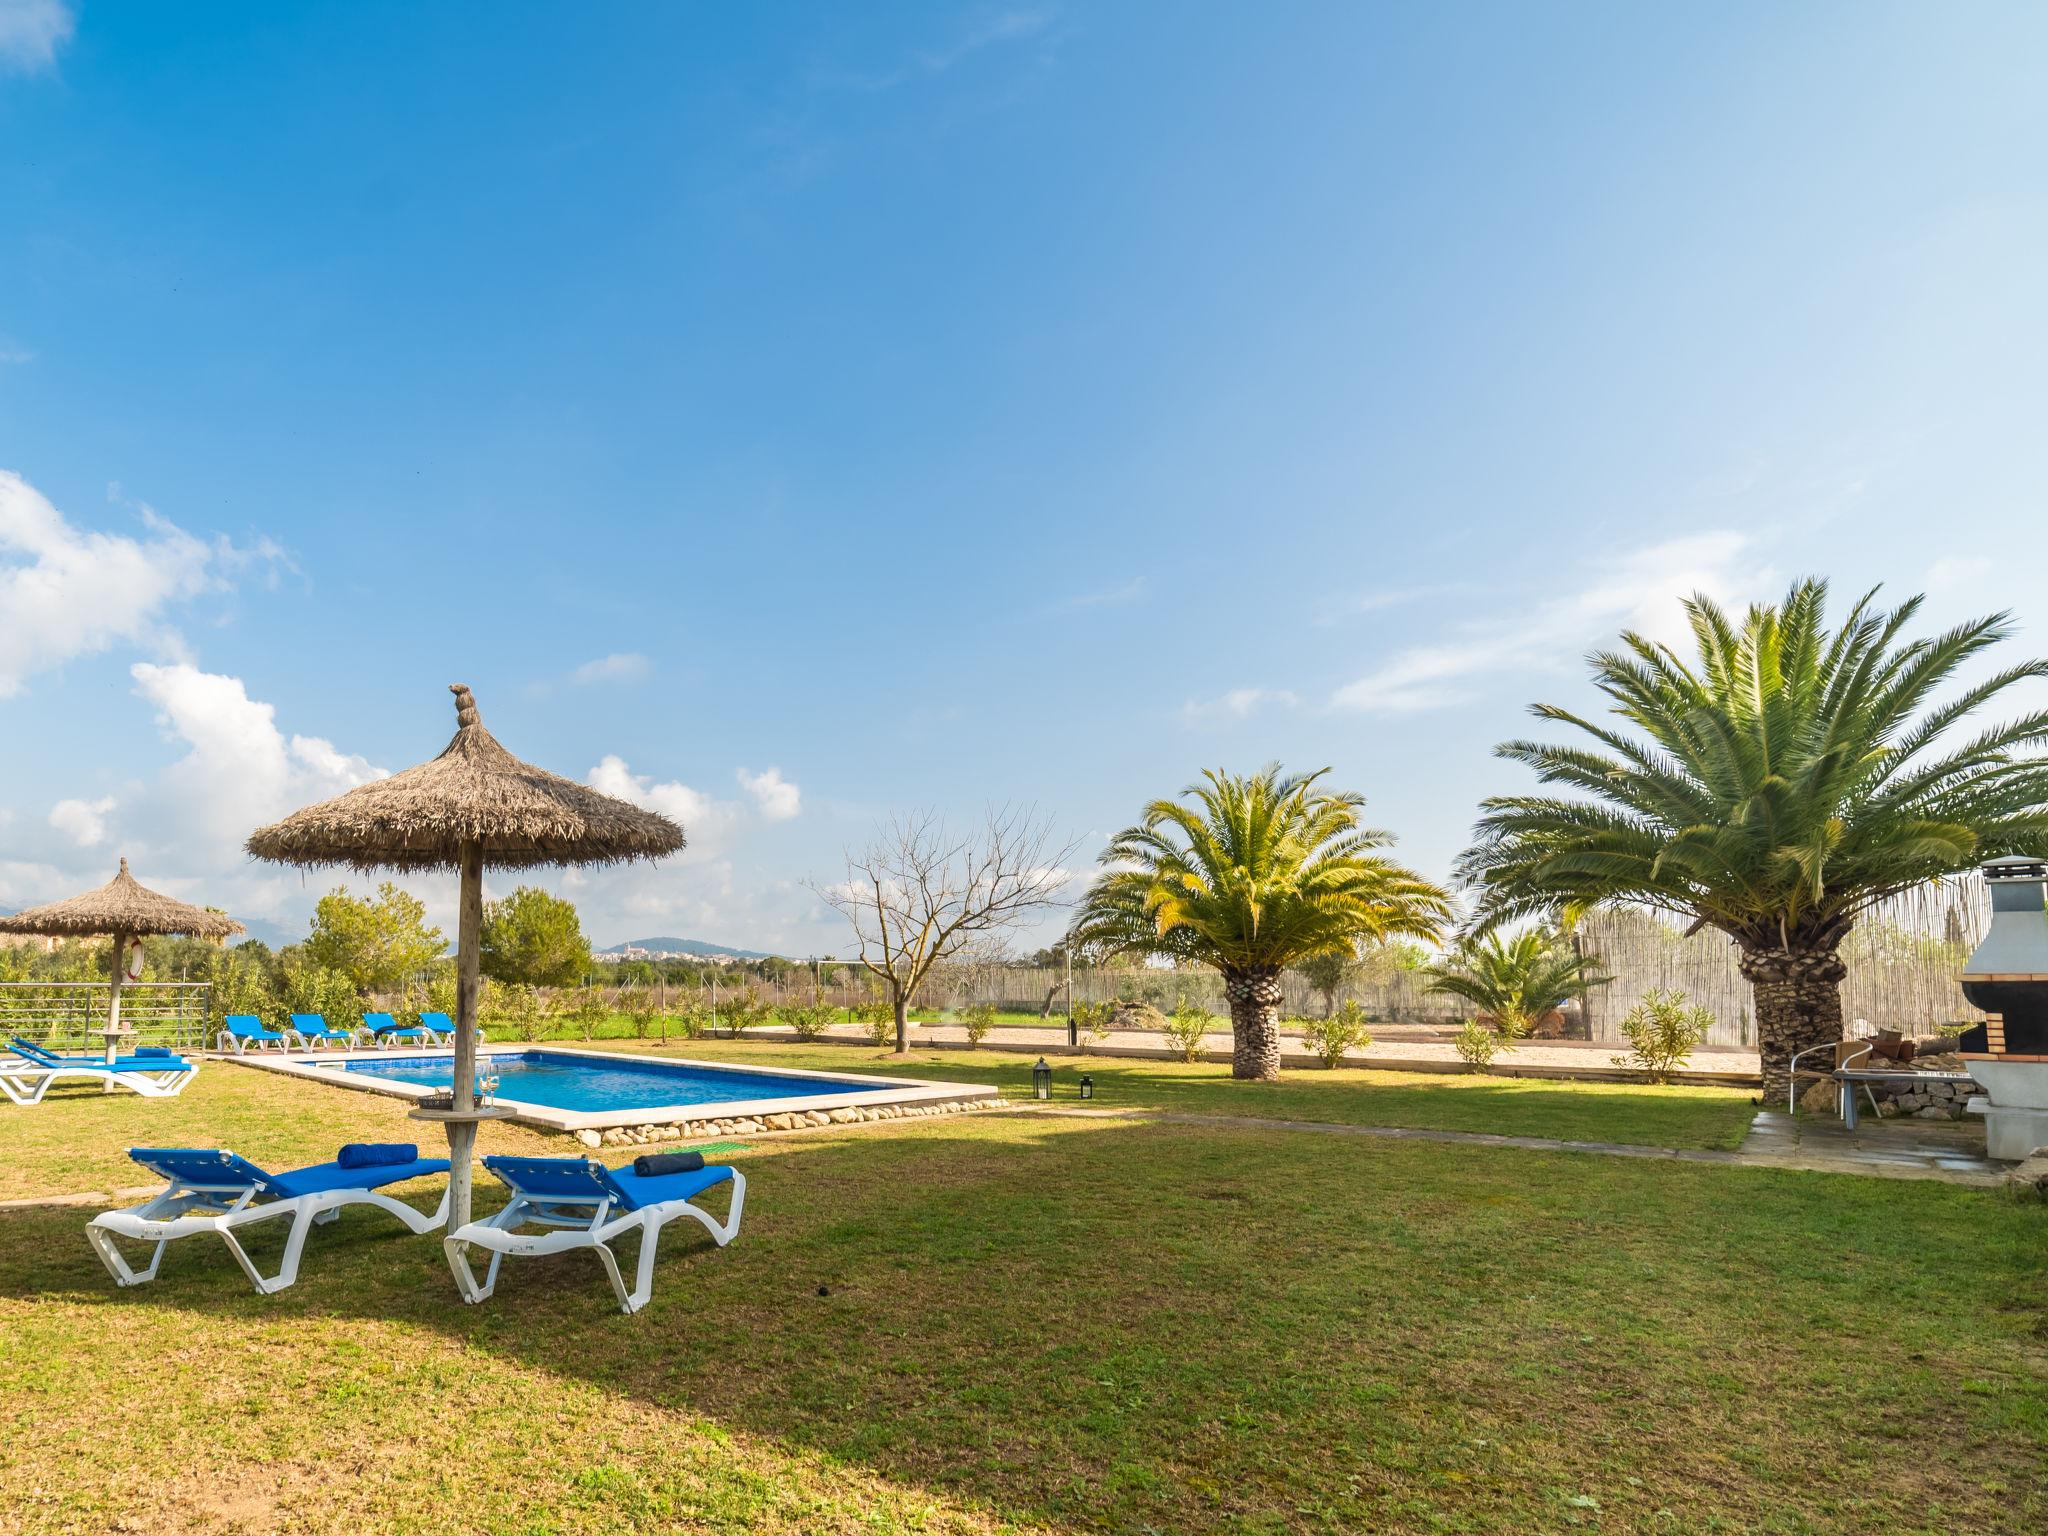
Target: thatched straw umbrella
<point>127,909</point>
<point>475,804</point>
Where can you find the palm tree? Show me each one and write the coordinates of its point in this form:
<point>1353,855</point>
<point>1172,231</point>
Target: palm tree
<point>1516,981</point>
<point>1774,790</point>
<point>1251,875</point>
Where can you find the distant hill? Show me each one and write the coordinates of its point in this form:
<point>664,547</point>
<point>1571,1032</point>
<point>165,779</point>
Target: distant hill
<point>684,947</point>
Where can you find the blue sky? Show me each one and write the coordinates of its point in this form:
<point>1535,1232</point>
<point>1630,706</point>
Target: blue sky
<point>792,414</point>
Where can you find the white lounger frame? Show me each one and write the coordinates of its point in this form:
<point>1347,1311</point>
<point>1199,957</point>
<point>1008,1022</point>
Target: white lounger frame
<point>588,1224</point>
<point>25,1081</point>
<point>184,1210</point>
<point>318,1042</point>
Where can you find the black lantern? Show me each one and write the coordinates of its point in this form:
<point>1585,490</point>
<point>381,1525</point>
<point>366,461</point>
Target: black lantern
<point>1041,1080</point>
<point>1087,1086</point>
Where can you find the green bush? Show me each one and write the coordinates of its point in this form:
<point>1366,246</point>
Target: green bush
<point>589,1010</point>
<point>742,1010</point>
<point>879,1018</point>
<point>692,1018</point>
<point>513,1010</point>
<point>1091,1022</point>
<point>1477,1044</point>
<point>1328,1039</point>
<point>1189,1022</point>
<point>637,1004</point>
<point>809,1020</point>
<point>241,984</point>
<point>1662,1032</point>
<point>308,987</point>
<point>978,1021</point>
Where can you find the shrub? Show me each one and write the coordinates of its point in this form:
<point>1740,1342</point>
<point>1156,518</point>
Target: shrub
<point>693,1018</point>
<point>1330,1038</point>
<point>807,1019</point>
<point>1091,1022</point>
<point>1189,1023</point>
<point>879,1018</point>
<point>241,984</point>
<point>512,1009</point>
<point>1662,1031</point>
<point>638,1006</point>
<point>978,1021</point>
<point>312,988</point>
<point>589,1010</point>
<point>1477,1044</point>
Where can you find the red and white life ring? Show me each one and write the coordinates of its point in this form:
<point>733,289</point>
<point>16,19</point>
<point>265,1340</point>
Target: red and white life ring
<point>131,962</point>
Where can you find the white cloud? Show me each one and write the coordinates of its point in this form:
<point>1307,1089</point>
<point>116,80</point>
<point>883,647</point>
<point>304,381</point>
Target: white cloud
<point>619,667</point>
<point>83,821</point>
<point>241,770</point>
<point>184,827</point>
<point>707,823</point>
<point>11,354</point>
<point>66,592</point>
<point>31,32</point>
<point>775,796</point>
<point>1640,590</point>
<point>1237,704</point>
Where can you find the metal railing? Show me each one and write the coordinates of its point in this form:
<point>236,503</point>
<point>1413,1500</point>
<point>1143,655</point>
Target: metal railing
<point>69,1015</point>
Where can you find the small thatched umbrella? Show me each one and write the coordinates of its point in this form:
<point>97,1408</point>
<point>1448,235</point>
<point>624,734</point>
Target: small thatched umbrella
<point>126,909</point>
<point>475,804</point>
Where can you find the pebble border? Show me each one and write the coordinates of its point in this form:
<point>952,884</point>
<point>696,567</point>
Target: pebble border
<point>792,1120</point>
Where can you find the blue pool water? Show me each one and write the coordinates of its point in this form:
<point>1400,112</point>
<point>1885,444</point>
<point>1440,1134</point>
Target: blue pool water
<point>579,1083</point>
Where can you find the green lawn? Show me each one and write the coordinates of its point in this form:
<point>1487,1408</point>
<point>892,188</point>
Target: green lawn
<point>1572,1111</point>
<point>1021,1323</point>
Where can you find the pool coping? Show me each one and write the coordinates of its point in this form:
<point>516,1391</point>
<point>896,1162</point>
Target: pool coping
<point>868,1092</point>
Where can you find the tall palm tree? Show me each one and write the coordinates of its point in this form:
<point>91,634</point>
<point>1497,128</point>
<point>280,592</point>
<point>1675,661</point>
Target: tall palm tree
<point>1774,789</point>
<point>1250,875</point>
<point>1517,981</point>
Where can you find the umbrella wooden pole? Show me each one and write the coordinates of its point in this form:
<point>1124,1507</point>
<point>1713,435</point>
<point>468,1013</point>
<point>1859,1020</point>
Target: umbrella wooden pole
<point>112,1035</point>
<point>468,967</point>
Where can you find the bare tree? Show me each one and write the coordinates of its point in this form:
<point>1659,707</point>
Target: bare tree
<point>921,895</point>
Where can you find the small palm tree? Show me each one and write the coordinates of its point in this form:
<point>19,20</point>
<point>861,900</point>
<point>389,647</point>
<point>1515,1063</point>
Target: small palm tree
<point>1776,789</point>
<point>1251,875</point>
<point>1515,981</point>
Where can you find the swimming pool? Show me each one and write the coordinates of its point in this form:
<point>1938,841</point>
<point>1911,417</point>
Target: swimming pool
<point>561,1080</point>
<point>565,1088</point>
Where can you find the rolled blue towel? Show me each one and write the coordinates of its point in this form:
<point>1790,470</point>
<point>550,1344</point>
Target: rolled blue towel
<point>655,1164</point>
<point>151,1050</point>
<point>377,1154</point>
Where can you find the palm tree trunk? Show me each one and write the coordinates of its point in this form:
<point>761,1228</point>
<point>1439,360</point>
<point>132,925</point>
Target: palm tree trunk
<point>1798,1005</point>
<point>1254,995</point>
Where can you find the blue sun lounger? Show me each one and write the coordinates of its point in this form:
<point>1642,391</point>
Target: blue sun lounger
<point>312,1028</point>
<point>244,1031</point>
<point>385,1030</point>
<point>213,1191</point>
<point>587,1205</point>
<point>443,1027</point>
<point>28,1071</point>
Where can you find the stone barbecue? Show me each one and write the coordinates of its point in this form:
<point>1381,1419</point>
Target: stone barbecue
<point>2007,977</point>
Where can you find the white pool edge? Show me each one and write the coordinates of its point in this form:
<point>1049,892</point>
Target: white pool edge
<point>865,1092</point>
